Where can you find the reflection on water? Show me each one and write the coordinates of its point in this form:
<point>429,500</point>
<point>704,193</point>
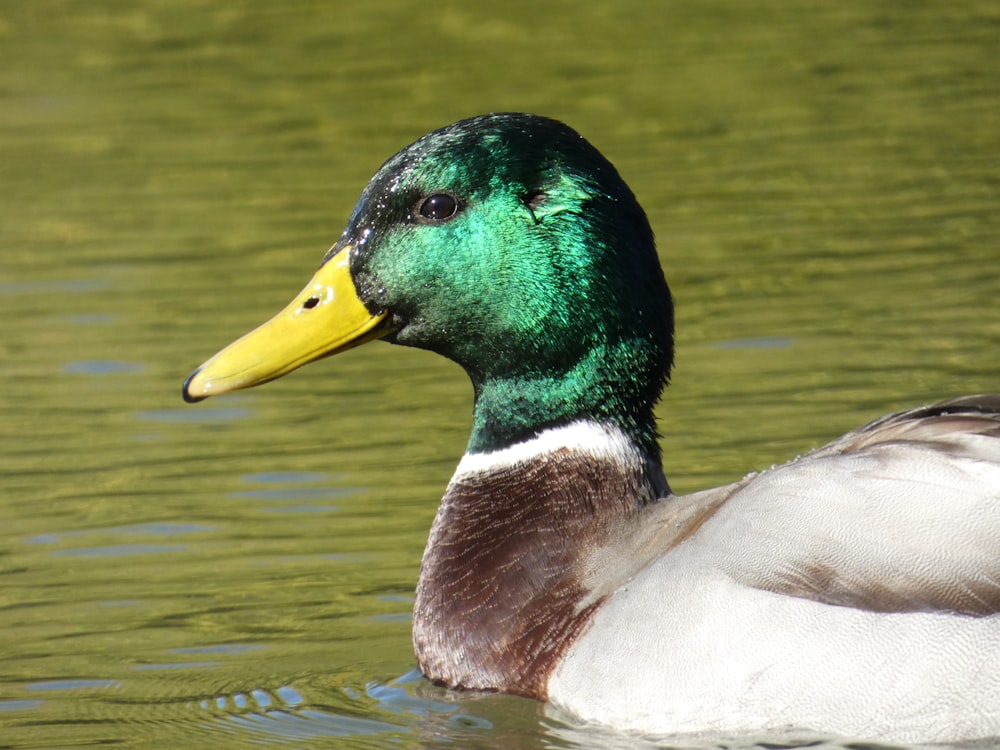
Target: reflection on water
<point>823,183</point>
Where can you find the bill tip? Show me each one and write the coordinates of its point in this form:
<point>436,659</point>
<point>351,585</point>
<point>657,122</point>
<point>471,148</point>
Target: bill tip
<point>186,389</point>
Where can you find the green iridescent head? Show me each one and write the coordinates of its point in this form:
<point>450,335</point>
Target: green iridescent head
<point>510,245</point>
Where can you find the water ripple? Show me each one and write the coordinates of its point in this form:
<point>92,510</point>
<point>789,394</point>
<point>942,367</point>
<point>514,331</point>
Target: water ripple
<point>102,367</point>
<point>195,416</point>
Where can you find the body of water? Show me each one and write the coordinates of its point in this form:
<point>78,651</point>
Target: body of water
<point>824,182</point>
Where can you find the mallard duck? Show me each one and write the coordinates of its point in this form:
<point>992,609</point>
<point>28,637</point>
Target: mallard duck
<point>855,590</point>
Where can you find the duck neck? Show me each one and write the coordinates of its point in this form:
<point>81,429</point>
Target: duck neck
<point>608,385</point>
<point>507,576</point>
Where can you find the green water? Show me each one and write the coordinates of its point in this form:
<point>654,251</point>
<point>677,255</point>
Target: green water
<point>823,178</point>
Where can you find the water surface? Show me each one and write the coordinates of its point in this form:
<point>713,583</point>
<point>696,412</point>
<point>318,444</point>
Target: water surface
<point>823,180</point>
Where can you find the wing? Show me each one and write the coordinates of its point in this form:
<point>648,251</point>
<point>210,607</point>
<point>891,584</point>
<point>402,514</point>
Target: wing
<point>901,515</point>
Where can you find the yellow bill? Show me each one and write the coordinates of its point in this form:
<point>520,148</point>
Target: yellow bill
<point>324,318</point>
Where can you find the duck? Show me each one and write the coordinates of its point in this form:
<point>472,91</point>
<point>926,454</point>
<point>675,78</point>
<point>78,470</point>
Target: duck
<point>854,590</point>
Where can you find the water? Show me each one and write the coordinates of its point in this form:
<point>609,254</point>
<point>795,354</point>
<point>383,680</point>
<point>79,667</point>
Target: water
<point>823,180</point>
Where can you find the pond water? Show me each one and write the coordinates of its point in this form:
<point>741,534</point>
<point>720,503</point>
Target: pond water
<point>823,179</point>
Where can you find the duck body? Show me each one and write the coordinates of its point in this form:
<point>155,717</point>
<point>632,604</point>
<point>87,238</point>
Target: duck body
<point>852,591</point>
<point>855,590</point>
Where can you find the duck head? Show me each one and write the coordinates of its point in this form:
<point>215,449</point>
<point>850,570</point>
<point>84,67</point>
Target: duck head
<point>506,243</point>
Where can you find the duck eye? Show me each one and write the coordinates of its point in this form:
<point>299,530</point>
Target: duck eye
<point>438,207</point>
